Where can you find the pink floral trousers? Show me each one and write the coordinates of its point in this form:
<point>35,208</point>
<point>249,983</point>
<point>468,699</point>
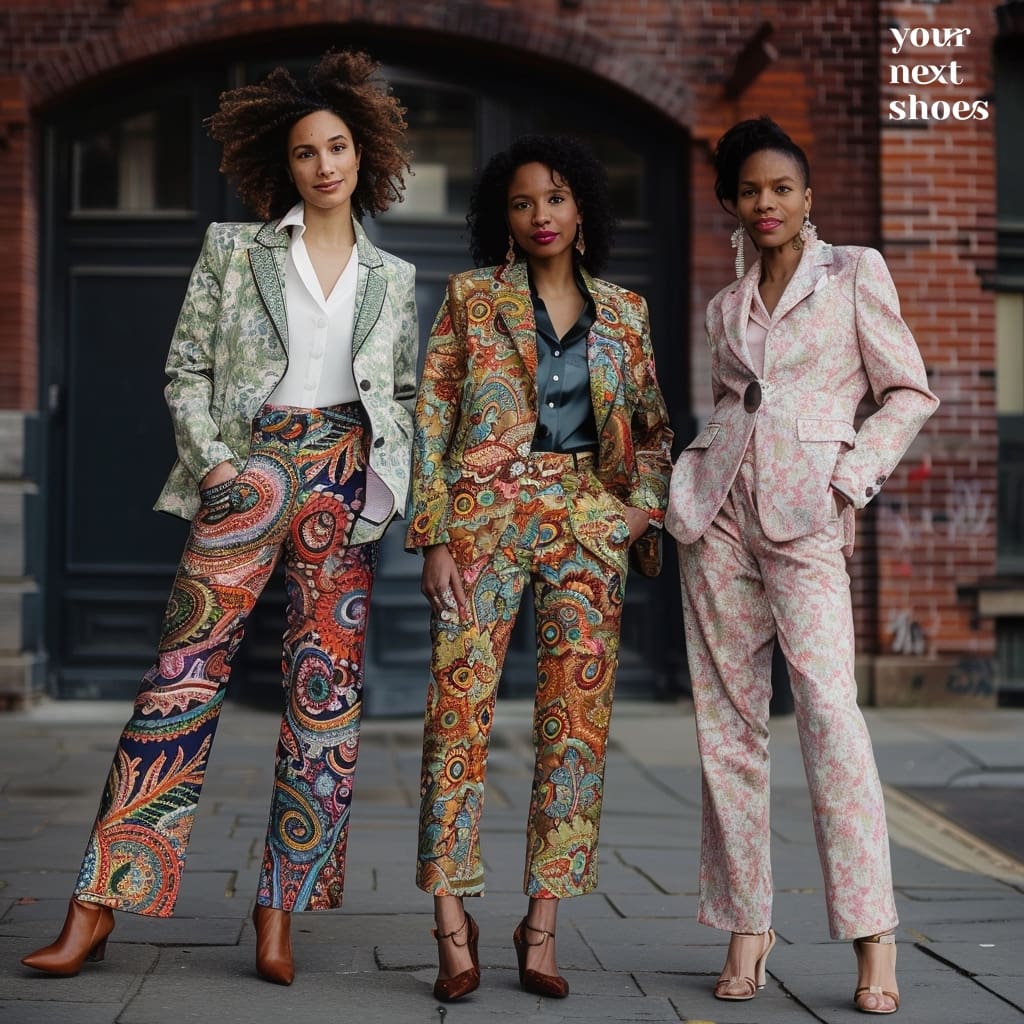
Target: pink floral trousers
<point>740,590</point>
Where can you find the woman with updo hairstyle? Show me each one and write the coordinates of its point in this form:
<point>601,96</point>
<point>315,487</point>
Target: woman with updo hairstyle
<point>541,460</point>
<point>762,505</point>
<point>291,383</point>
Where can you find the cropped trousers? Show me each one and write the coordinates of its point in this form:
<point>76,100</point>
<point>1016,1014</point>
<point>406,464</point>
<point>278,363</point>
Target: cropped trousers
<point>741,591</point>
<point>299,494</point>
<point>578,590</point>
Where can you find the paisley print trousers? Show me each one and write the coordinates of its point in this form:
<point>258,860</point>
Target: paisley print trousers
<point>740,590</point>
<point>299,494</point>
<point>561,519</point>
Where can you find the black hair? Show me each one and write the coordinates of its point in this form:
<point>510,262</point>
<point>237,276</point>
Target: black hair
<point>742,141</point>
<point>571,160</point>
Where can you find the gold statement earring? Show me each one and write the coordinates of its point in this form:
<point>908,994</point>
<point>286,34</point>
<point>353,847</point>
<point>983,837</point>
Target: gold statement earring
<point>581,245</point>
<point>510,256</point>
<point>737,244</point>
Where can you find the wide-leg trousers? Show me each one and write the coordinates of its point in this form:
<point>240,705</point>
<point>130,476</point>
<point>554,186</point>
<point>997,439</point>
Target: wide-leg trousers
<point>578,597</point>
<point>300,493</point>
<point>740,590</point>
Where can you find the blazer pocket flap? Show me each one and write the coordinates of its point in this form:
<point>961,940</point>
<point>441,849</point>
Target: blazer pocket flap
<point>705,437</point>
<point>813,429</point>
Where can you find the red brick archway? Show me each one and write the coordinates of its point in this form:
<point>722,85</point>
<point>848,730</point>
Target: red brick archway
<point>152,32</point>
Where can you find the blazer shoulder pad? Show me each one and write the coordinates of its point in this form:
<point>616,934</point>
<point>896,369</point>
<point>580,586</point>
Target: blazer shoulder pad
<point>468,282</point>
<point>615,292</point>
<point>478,275</point>
<point>716,300</point>
<point>847,256</point>
<point>396,263</point>
<point>227,235</point>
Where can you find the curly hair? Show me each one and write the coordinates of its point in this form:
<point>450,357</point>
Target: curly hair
<point>742,141</point>
<point>569,158</point>
<point>253,121</point>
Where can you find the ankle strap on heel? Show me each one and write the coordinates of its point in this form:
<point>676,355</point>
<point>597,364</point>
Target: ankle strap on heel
<point>543,931</point>
<point>450,936</point>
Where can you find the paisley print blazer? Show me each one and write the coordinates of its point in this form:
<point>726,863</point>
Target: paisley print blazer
<point>230,350</point>
<point>476,408</point>
<point>836,335</point>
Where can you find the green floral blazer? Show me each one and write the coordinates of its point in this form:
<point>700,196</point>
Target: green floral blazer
<point>230,350</point>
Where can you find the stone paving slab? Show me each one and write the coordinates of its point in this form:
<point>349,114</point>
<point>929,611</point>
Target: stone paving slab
<point>988,959</point>
<point>632,951</point>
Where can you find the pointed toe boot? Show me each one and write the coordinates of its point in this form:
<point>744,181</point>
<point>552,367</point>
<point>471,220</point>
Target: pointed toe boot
<point>83,937</point>
<point>274,944</point>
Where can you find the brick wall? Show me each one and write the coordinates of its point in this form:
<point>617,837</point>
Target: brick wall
<point>924,194</point>
<point>938,206</point>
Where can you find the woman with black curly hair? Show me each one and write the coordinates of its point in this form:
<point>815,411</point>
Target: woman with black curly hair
<point>292,376</point>
<point>541,453</point>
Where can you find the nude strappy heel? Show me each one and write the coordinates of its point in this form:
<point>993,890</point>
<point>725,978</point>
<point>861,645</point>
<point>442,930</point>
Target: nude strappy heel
<point>884,939</point>
<point>739,988</point>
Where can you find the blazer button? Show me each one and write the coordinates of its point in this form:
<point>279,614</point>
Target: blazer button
<point>379,443</point>
<point>881,480</point>
<point>869,491</point>
<point>365,385</point>
<point>752,397</point>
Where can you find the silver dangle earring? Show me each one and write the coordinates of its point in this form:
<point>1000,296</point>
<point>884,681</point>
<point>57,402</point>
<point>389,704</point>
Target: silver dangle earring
<point>737,244</point>
<point>808,232</point>
<point>581,245</point>
<point>510,256</point>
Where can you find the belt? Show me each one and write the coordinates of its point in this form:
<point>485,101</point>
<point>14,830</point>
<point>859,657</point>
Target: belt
<point>581,458</point>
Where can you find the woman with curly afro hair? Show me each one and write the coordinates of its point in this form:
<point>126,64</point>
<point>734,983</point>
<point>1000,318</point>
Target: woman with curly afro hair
<point>291,383</point>
<point>540,459</point>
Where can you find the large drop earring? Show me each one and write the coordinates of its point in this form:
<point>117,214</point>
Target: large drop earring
<point>581,245</point>
<point>510,256</point>
<point>808,233</point>
<point>741,258</point>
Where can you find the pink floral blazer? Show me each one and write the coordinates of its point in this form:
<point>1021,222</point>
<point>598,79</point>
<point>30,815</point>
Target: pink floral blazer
<point>835,337</point>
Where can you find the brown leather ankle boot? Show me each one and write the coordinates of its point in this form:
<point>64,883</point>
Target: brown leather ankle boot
<point>273,944</point>
<point>83,937</point>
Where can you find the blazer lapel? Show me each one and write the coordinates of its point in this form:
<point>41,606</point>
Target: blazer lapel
<point>804,282</point>
<point>514,306</point>
<point>371,288</point>
<point>267,260</point>
<point>805,279</point>
<point>735,310</point>
<point>605,350</point>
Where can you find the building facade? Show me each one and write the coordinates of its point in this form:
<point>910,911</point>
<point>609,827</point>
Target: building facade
<point>107,182</point>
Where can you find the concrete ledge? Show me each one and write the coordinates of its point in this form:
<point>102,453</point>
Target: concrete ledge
<point>22,680</point>
<point>864,674</point>
<point>12,444</point>
<point>907,681</point>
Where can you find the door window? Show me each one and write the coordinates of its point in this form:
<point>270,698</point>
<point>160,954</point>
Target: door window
<point>138,164</point>
<point>441,138</point>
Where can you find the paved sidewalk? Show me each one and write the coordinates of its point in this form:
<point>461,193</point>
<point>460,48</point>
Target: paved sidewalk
<point>631,952</point>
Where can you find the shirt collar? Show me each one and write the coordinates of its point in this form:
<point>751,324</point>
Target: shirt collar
<point>295,217</point>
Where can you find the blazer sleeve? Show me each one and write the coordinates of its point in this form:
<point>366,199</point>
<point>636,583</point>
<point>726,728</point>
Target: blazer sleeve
<point>437,404</point>
<point>408,344</point>
<point>190,363</point>
<point>652,435</point>
<point>898,382</point>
